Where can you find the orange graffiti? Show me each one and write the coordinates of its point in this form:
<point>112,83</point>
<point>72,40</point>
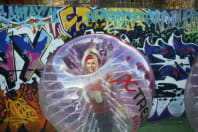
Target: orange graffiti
<point>20,112</point>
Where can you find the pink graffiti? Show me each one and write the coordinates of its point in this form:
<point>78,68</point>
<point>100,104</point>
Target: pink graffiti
<point>9,66</point>
<point>34,63</point>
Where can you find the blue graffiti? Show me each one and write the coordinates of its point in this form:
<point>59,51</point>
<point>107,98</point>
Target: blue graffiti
<point>37,46</point>
<point>177,72</point>
<point>21,14</point>
<point>183,50</point>
<point>171,60</point>
<point>162,48</point>
<point>5,41</point>
<point>166,20</point>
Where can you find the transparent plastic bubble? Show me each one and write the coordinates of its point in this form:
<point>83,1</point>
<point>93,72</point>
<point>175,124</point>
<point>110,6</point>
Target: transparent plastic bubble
<point>191,96</point>
<point>96,83</point>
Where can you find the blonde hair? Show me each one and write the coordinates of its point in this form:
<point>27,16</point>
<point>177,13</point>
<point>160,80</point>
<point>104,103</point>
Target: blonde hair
<point>91,52</point>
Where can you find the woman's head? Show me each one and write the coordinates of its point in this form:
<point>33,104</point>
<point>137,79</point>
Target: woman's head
<point>91,60</point>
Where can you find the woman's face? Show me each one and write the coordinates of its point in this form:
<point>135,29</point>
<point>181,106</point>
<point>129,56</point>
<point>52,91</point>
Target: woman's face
<point>91,65</point>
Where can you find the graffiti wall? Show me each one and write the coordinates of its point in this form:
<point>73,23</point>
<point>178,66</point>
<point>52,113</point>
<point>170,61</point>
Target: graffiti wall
<point>30,34</point>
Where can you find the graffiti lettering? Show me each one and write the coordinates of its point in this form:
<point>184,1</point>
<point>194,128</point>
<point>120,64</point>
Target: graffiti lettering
<point>7,63</point>
<point>115,19</point>
<point>31,52</point>
<point>115,15</point>
<point>19,14</point>
<point>20,112</point>
<point>168,38</point>
<point>165,20</point>
<point>69,17</point>
<point>192,27</point>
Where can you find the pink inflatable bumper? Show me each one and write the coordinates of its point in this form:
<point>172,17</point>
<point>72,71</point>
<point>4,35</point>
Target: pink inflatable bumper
<point>96,83</point>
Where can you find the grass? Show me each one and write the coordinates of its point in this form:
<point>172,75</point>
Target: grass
<point>167,125</point>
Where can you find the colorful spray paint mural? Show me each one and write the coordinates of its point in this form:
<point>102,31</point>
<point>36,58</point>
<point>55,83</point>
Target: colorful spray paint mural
<point>30,34</point>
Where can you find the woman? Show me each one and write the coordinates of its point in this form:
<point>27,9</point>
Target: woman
<point>91,60</point>
<point>95,95</point>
